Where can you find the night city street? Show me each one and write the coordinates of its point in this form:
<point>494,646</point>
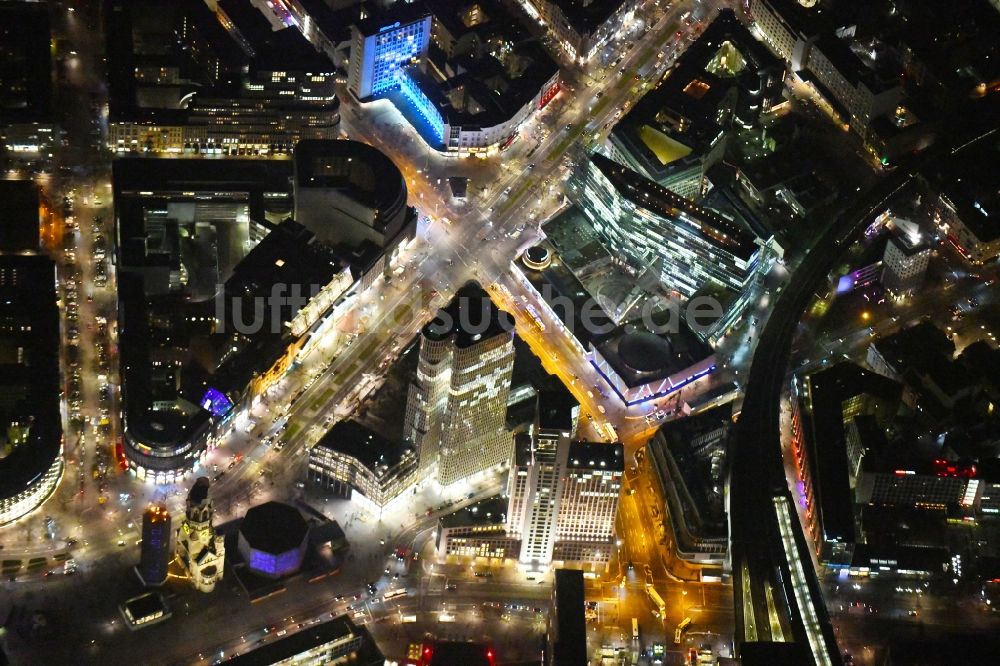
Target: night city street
<point>499,332</point>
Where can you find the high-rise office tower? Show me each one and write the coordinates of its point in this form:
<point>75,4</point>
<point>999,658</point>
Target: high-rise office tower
<point>562,494</point>
<point>458,401</point>
<point>906,259</point>
<point>588,497</point>
<point>382,46</point>
<point>646,224</point>
<point>200,550</point>
<point>154,555</point>
<point>533,485</point>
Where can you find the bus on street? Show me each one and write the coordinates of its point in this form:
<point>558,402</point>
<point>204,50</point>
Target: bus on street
<point>654,596</point>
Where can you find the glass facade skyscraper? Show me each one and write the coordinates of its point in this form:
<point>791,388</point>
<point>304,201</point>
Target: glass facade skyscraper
<point>155,551</point>
<point>457,402</point>
<point>646,223</point>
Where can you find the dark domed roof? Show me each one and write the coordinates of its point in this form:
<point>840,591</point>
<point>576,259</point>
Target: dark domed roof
<point>644,352</point>
<point>199,491</point>
<point>470,316</point>
<point>366,172</point>
<point>537,253</point>
<point>274,528</point>
<point>537,257</point>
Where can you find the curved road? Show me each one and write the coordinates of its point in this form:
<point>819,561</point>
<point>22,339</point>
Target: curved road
<point>757,482</point>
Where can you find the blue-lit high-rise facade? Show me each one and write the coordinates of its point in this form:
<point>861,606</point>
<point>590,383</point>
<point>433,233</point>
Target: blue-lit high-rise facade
<point>383,55</point>
<point>155,552</point>
<point>381,51</point>
<point>421,103</point>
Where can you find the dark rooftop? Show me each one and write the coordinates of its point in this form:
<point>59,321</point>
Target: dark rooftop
<point>982,361</point>
<point>145,605</point>
<point>327,532</point>
<point>29,369</point>
<point>172,176</point>
<point>569,300</point>
<point>363,173</point>
<point>586,16</point>
<point>639,356</point>
<point>25,62</point>
<point>681,435</point>
<point>555,410</point>
<point>924,351</point>
<point>247,24</point>
<point>829,389</point>
<point>274,527</point>
<point>568,648</point>
<point>693,443</point>
<point>596,455</point>
<point>872,438</point>
<point>287,648</point>
<point>285,49</point>
<point>644,351</point>
<point>284,257</point>
<point>459,653</point>
<point>19,230</point>
<point>850,66</point>
<point>907,558</point>
<point>334,23</point>
<point>488,511</point>
<point>973,191</point>
<point>470,317</point>
<point>917,346</point>
<point>528,377</point>
<point>367,446</point>
<point>459,186</point>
